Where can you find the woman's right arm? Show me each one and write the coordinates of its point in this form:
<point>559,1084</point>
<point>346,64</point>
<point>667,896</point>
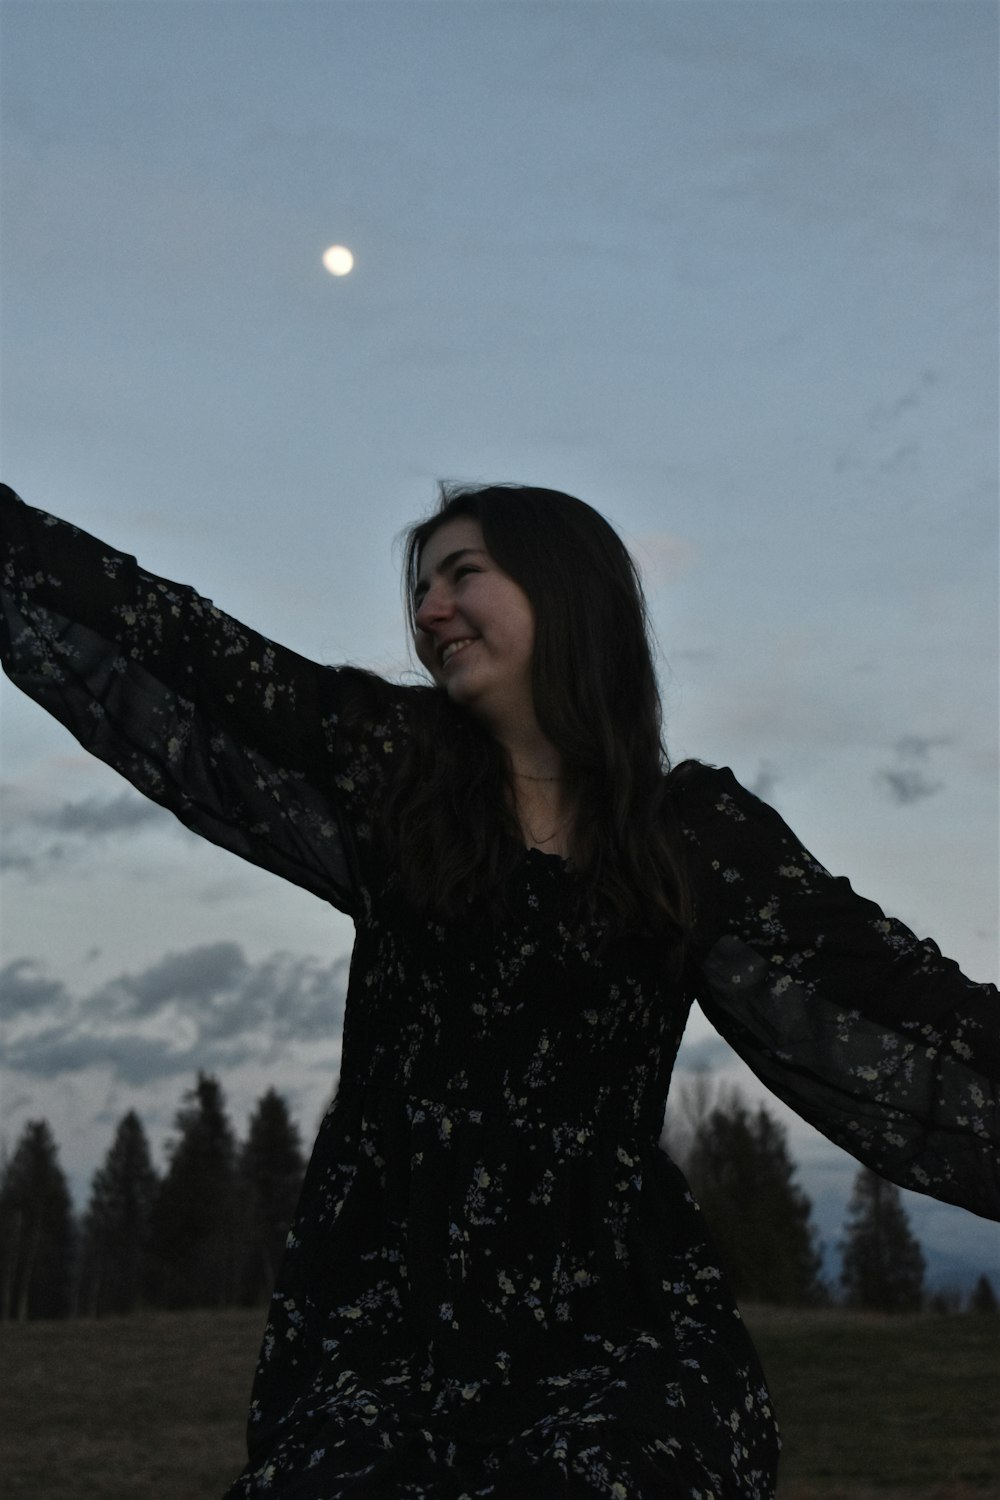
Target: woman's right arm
<point>236,735</point>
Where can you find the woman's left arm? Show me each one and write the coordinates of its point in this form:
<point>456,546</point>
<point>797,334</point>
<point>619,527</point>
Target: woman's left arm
<point>864,1029</point>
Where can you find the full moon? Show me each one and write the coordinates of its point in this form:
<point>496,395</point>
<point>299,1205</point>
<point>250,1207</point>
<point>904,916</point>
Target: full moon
<point>338,260</point>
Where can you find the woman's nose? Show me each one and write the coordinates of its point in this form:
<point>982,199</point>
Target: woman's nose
<point>436,605</point>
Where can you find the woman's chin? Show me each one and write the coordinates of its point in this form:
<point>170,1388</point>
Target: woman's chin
<point>460,689</point>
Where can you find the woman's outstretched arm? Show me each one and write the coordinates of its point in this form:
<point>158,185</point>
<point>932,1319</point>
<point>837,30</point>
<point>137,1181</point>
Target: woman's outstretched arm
<point>236,735</point>
<point>864,1029</point>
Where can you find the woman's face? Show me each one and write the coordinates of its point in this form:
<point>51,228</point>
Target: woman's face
<point>475,627</point>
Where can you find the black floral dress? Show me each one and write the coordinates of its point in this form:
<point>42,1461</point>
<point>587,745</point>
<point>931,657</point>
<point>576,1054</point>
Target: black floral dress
<point>498,1285</point>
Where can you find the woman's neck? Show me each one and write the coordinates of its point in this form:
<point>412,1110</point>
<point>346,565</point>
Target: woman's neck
<point>542,804</point>
<point>538,795</point>
<point>530,756</point>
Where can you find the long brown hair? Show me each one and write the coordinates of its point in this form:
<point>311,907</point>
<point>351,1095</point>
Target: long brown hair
<point>447,816</point>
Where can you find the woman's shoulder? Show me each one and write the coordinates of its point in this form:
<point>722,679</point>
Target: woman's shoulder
<point>708,801</point>
<point>363,695</point>
<point>364,702</point>
<point>694,782</point>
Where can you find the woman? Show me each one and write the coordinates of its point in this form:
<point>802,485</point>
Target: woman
<point>497,1284</point>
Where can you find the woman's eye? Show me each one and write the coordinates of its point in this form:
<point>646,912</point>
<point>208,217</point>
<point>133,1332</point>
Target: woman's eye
<point>465,568</point>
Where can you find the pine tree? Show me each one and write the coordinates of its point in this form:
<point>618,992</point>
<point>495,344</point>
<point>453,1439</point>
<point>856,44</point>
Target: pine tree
<point>196,1220</point>
<point>883,1265</point>
<point>271,1166</point>
<point>36,1230</point>
<point>761,1220</point>
<point>117,1224</point>
<point>984,1298</point>
<point>945,1302</point>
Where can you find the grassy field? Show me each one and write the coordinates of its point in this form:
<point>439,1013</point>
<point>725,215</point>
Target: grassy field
<point>883,1407</point>
<point>152,1407</point>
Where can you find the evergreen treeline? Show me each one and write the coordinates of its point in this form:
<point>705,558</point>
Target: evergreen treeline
<point>210,1231</point>
<point>882,1264</point>
<point>743,1177</point>
<point>36,1230</point>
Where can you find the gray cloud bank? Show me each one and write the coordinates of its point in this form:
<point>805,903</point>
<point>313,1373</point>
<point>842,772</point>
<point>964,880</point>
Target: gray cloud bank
<point>204,1007</point>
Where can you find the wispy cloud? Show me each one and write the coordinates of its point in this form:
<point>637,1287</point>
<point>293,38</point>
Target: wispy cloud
<point>909,779</point>
<point>890,440</point>
<point>765,781</point>
<point>887,413</point>
<point>76,823</point>
<point>92,815</point>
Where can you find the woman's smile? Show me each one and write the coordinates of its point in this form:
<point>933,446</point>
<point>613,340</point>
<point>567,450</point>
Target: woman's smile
<point>453,648</point>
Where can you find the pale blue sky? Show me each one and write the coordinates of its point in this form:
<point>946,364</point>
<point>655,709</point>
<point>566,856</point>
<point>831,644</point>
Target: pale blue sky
<point>725,270</point>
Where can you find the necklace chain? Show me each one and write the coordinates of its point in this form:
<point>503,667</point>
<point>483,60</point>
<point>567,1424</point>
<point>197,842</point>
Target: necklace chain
<point>557,829</point>
<point>526,776</point>
<point>536,840</point>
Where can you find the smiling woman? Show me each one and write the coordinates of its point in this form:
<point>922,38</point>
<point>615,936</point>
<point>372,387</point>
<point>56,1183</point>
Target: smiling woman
<point>498,1285</point>
<point>558,662</point>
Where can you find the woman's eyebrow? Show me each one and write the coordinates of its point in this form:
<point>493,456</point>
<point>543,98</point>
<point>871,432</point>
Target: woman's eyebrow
<point>443,566</point>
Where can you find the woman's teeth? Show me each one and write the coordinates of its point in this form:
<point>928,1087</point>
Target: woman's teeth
<point>453,646</point>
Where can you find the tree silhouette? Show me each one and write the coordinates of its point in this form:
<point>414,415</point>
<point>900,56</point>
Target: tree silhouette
<point>117,1224</point>
<point>946,1301</point>
<point>271,1167</point>
<point>883,1265</point>
<point>196,1219</point>
<point>36,1230</point>
<point>984,1298</point>
<point>742,1175</point>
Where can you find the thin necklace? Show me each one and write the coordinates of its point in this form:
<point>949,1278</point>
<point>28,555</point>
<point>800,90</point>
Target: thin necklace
<point>525,776</point>
<point>536,840</point>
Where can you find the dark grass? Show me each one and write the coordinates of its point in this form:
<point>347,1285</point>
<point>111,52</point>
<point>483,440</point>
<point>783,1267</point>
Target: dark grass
<point>871,1405</point>
<point>152,1407</point>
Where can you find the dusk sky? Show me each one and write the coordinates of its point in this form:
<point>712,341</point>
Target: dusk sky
<point>727,271</point>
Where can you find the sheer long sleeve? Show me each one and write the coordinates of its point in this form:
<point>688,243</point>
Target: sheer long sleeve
<point>865,1030</point>
<point>236,735</point>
